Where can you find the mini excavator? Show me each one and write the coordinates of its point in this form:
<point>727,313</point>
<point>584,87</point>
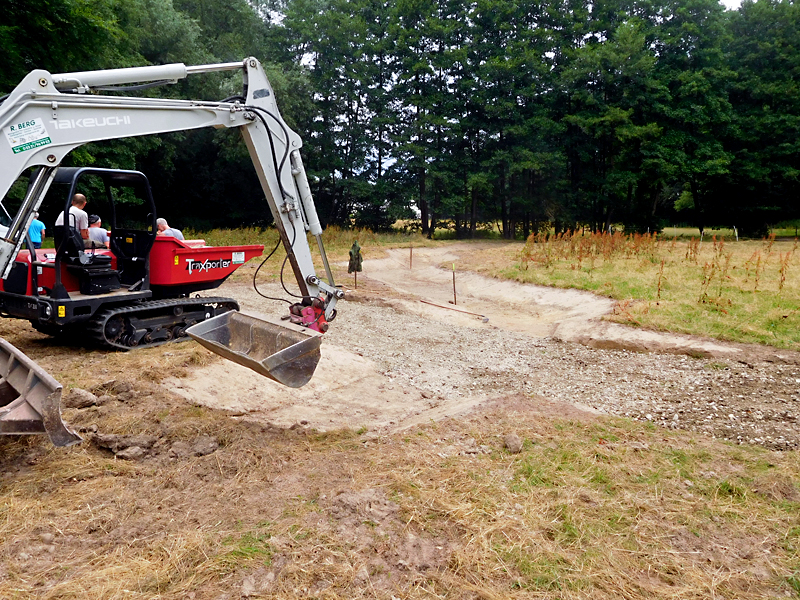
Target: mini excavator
<point>142,289</point>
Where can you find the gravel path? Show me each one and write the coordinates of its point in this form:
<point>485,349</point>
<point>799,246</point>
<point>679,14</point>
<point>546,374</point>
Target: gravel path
<point>743,394</point>
<point>738,401</point>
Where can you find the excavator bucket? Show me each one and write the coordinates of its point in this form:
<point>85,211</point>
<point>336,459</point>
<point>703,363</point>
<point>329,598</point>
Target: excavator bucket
<point>284,352</point>
<point>30,399</point>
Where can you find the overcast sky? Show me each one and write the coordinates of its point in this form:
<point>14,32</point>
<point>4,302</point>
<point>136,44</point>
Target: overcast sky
<point>732,4</point>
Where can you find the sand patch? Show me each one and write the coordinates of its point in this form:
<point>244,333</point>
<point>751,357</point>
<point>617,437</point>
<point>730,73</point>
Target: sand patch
<point>347,390</point>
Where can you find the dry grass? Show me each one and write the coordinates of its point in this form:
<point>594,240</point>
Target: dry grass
<point>337,240</point>
<point>338,243</point>
<point>745,291</point>
<point>591,508</point>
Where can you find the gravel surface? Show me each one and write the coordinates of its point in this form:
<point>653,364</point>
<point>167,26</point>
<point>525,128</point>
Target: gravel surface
<point>747,402</point>
<point>744,401</point>
<point>744,394</point>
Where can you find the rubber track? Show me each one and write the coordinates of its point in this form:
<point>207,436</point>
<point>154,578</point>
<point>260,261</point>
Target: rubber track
<point>97,324</point>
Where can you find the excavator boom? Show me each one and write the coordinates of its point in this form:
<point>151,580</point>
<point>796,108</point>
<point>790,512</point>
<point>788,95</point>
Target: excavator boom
<point>48,115</point>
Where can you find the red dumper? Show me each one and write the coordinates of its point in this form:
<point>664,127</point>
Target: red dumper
<point>140,291</point>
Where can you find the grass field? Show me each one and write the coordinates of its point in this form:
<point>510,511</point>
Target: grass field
<point>746,291</point>
<point>781,230</point>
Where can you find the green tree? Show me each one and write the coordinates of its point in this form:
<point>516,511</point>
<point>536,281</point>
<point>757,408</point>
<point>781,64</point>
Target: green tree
<point>764,181</point>
<point>612,91</point>
<point>697,115</point>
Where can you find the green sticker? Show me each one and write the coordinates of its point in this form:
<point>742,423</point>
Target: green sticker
<point>27,135</point>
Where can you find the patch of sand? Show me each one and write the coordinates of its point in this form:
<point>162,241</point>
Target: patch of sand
<point>347,391</point>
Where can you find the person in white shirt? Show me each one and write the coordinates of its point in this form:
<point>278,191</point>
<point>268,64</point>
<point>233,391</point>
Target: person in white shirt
<point>96,232</point>
<point>77,218</point>
<point>165,229</point>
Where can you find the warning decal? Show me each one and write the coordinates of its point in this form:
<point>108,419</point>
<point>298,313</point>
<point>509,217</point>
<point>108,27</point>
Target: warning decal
<point>238,258</point>
<point>27,135</point>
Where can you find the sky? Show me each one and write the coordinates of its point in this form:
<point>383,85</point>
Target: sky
<point>731,4</point>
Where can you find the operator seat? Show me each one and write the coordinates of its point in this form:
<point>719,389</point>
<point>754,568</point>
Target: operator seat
<point>94,272</point>
<point>69,241</point>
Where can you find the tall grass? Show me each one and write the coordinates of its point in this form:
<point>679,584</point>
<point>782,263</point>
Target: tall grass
<point>234,237</point>
<point>746,291</point>
<point>336,239</point>
<point>337,243</point>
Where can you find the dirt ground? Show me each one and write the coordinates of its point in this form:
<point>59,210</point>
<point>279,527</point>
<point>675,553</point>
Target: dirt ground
<point>400,334</point>
<point>186,453</point>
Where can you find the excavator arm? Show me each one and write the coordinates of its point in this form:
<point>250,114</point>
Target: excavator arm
<point>48,115</point>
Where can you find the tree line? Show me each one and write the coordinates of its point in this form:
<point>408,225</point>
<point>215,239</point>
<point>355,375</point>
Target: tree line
<point>525,114</point>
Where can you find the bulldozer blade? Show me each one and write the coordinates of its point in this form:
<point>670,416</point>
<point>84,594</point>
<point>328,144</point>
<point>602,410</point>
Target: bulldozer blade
<point>284,352</point>
<point>30,399</point>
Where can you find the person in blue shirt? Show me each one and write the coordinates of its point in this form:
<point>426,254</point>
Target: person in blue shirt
<point>36,231</point>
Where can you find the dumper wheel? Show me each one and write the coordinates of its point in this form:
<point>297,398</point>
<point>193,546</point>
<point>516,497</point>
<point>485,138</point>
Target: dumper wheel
<point>115,328</point>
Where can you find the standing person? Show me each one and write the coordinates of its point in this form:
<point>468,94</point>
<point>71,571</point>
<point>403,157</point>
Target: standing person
<point>77,218</point>
<point>96,233</point>
<point>36,231</point>
<point>165,229</point>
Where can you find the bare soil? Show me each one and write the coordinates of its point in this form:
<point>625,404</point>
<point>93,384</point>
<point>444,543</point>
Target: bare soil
<point>308,493</point>
<point>402,353</point>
